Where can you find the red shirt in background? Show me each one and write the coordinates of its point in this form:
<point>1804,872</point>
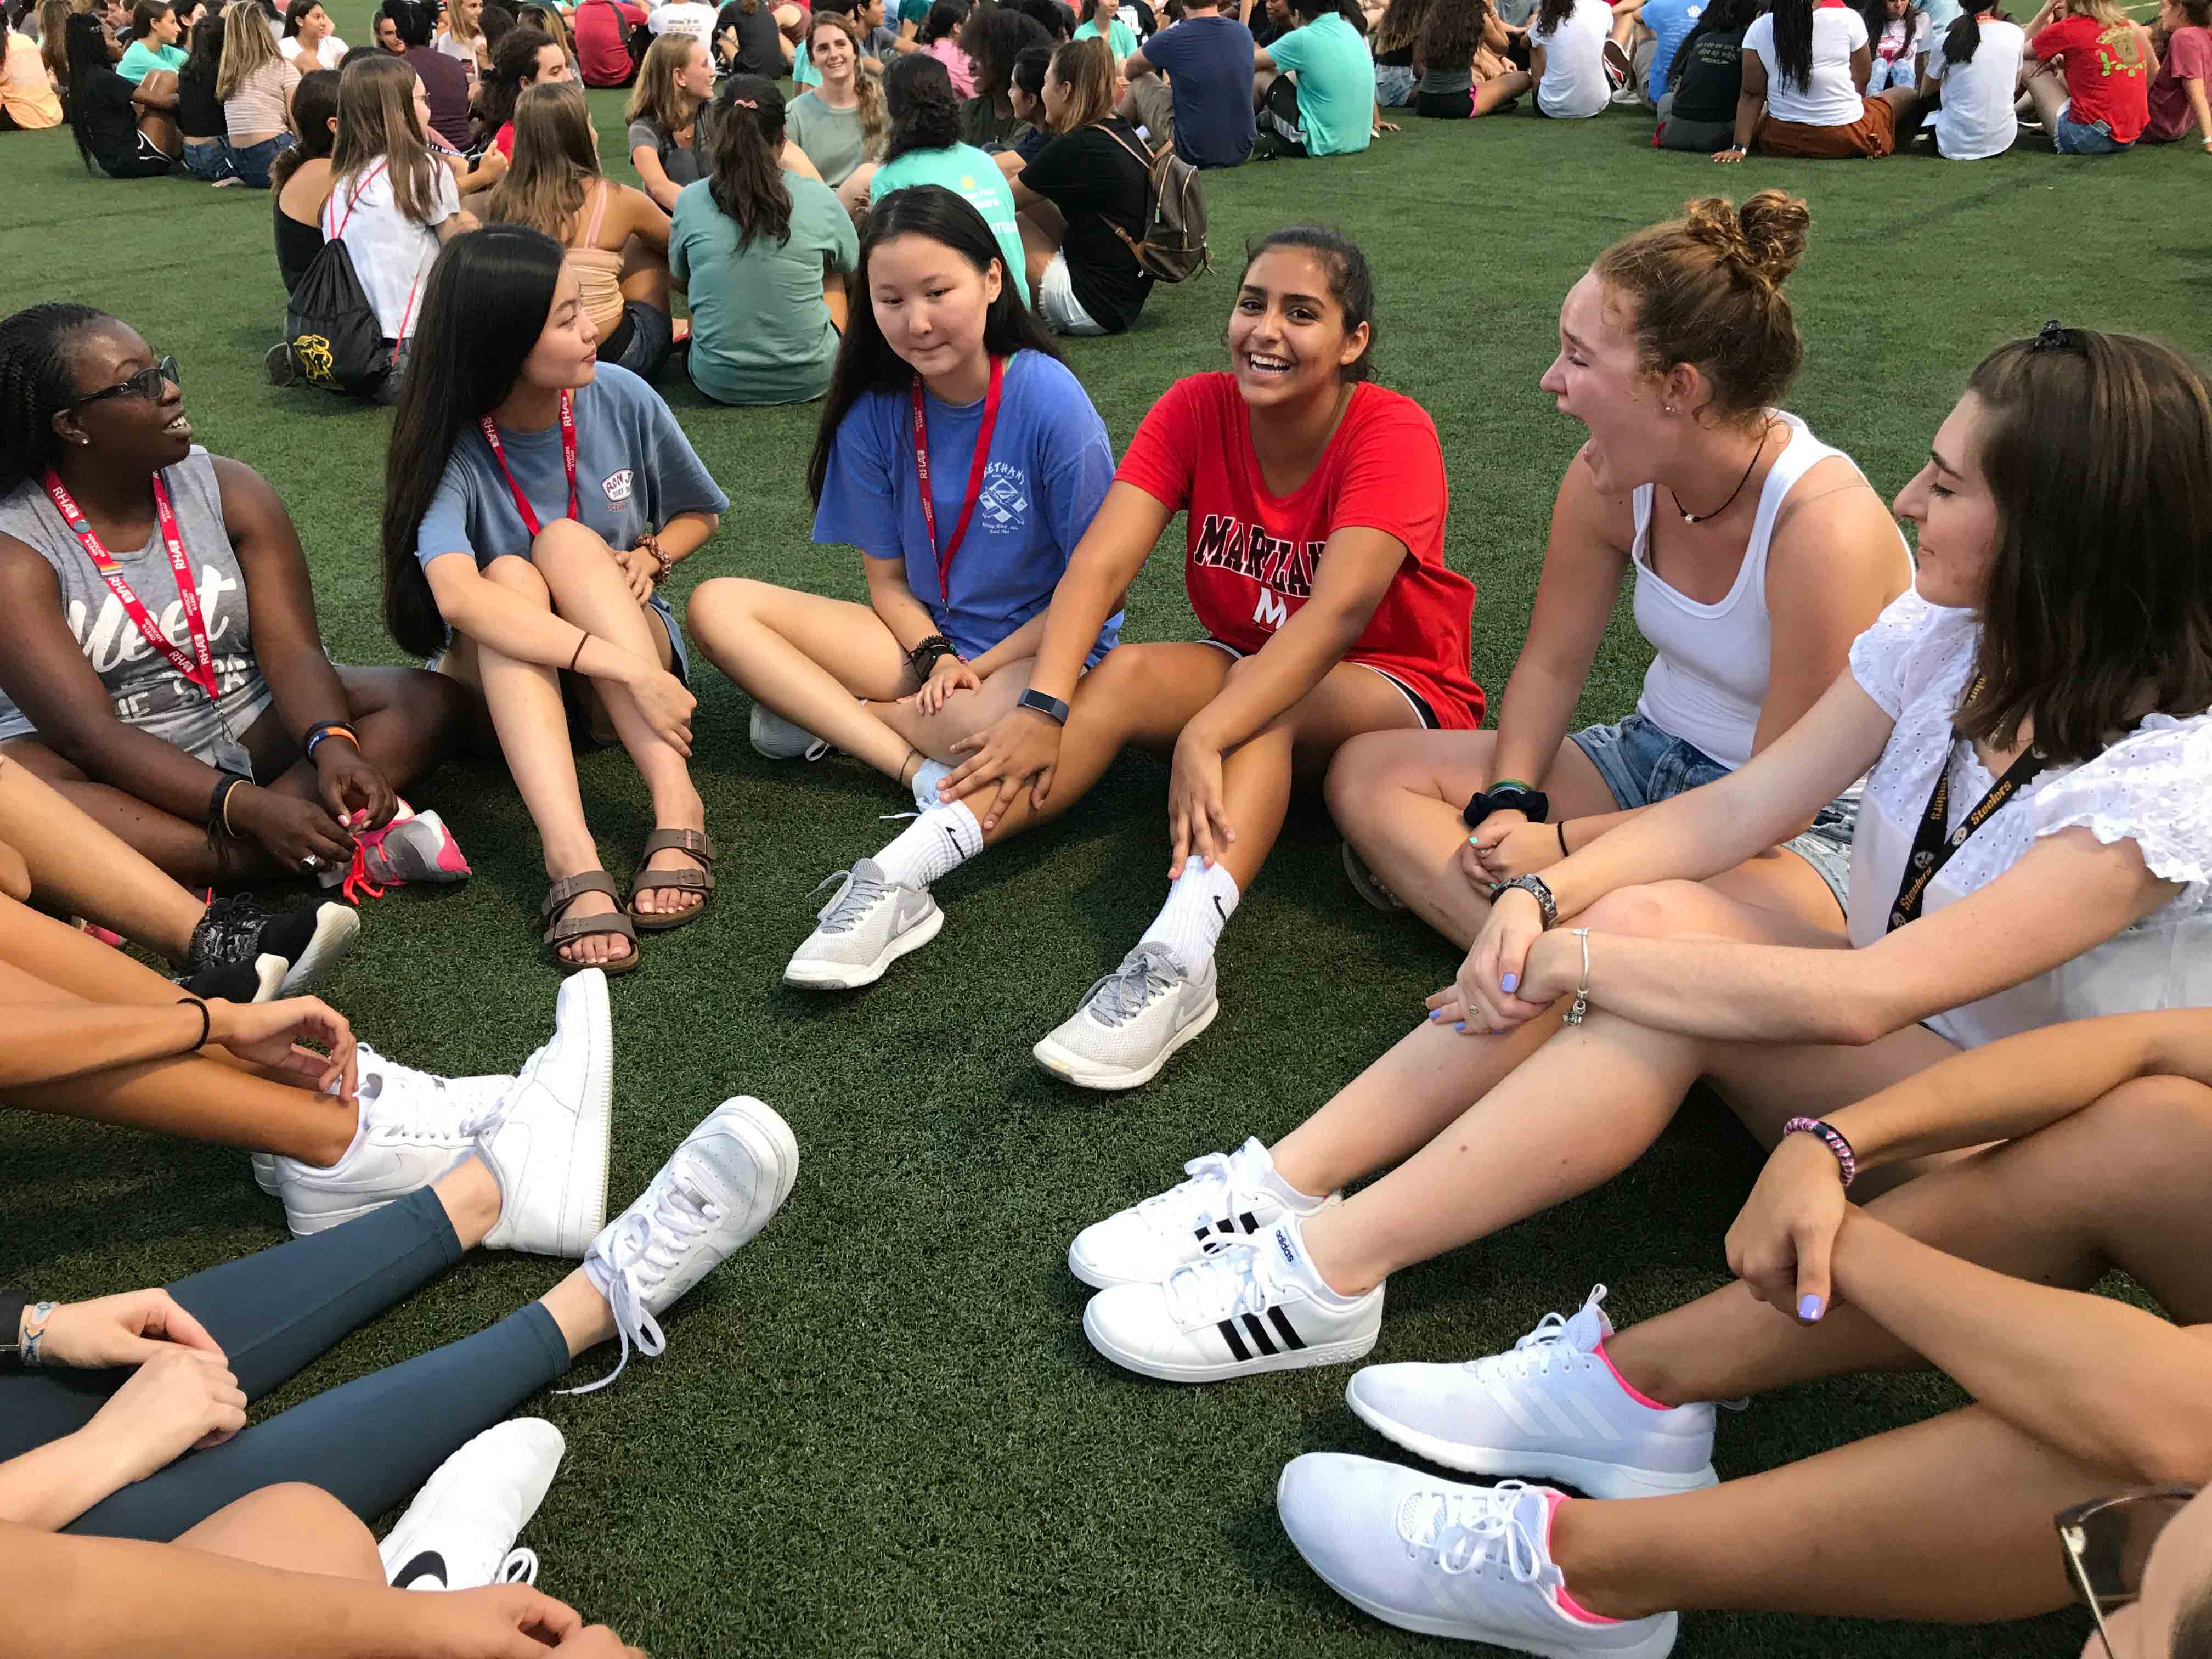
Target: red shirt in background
<point>1252,557</point>
<point>2106,76</point>
<point>602,30</point>
<point>503,140</point>
<point>2188,57</point>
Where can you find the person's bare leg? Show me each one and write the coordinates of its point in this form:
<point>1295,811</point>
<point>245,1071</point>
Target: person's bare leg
<point>644,273</point>
<point>85,869</point>
<point>810,660</point>
<point>524,699</point>
<point>1397,797</point>
<point>175,846</point>
<point>1850,1533</point>
<point>1038,248</point>
<point>964,713</point>
<point>407,719</point>
<point>294,1527</point>
<point>1493,95</point>
<point>2046,91</point>
<point>854,193</point>
<point>588,589</point>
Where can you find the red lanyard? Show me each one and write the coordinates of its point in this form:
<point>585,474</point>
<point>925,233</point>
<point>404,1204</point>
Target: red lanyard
<point>567,461</point>
<point>974,474</point>
<point>199,667</point>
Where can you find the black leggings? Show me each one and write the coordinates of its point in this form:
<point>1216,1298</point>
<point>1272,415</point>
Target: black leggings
<point>370,1444</point>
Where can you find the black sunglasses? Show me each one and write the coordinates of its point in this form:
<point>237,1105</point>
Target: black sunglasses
<point>147,383</point>
<point>2108,1540</point>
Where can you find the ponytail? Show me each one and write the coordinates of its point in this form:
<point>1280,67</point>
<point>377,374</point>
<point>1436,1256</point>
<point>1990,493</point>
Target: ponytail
<point>1964,38</point>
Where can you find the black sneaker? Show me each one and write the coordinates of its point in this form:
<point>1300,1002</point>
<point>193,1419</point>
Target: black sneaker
<point>238,982</point>
<point>240,929</point>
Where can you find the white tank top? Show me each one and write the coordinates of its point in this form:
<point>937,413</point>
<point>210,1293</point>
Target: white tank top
<point>1708,682</point>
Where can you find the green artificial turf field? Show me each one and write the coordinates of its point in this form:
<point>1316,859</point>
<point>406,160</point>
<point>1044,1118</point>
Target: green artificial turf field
<point>879,1429</point>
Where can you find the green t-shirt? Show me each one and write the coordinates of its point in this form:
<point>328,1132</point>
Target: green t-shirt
<point>803,74</point>
<point>142,57</point>
<point>1121,38</point>
<point>916,12</point>
<point>964,168</point>
<point>760,333</point>
<point>832,138</point>
<point>1336,83</point>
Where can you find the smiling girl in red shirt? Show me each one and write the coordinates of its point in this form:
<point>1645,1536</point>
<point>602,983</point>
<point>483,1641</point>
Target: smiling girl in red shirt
<point>1316,502</point>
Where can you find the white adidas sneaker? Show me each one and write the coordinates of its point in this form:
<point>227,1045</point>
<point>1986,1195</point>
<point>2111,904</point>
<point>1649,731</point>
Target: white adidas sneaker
<point>1130,1022</point>
<point>460,1532</point>
<point>549,1147</point>
<point>720,1187</point>
<point>1226,1198</point>
<point>1552,1407</point>
<point>870,922</point>
<point>1472,1563</point>
<point>778,739</point>
<point>1251,1307</point>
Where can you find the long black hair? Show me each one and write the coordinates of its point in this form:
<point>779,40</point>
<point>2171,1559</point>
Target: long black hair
<point>314,107</point>
<point>945,18</point>
<point>744,166</point>
<point>866,362</point>
<point>925,113</point>
<point>1964,38</point>
<point>1720,17</point>
<point>483,309</point>
<point>36,379</point>
<point>88,59</point>
<point>1793,43</point>
<point>205,50</point>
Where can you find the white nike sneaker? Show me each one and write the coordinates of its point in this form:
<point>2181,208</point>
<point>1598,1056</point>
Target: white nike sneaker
<point>1251,1307</point>
<point>1227,1197</point>
<point>720,1187</point>
<point>549,1147</point>
<point>778,739</point>
<point>460,1532</point>
<point>477,1096</point>
<point>1131,1021</point>
<point>1552,1407</point>
<point>869,923</point>
<point>1469,1562</point>
<point>414,1127</point>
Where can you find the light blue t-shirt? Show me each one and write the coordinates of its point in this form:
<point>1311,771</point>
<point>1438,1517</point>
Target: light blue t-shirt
<point>969,171</point>
<point>1336,83</point>
<point>1121,38</point>
<point>1045,478</point>
<point>142,57</point>
<point>1670,22</point>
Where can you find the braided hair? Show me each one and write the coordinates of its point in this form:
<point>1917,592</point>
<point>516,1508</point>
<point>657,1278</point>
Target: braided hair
<point>36,384</point>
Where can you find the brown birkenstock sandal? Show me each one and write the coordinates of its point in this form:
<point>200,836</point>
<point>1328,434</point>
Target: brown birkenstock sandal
<point>696,844</point>
<point>561,929</point>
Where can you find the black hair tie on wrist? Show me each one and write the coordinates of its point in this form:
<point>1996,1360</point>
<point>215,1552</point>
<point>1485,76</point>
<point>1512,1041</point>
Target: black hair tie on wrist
<point>925,657</point>
<point>207,1024</point>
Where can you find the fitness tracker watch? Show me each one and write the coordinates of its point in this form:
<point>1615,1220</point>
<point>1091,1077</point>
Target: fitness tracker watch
<point>1050,707</point>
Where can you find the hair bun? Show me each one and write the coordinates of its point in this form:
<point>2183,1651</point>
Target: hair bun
<point>1767,234</point>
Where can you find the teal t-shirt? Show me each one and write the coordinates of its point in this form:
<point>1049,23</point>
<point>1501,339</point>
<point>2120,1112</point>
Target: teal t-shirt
<point>1336,83</point>
<point>916,12</point>
<point>965,168</point>
<point>142,57</point>
<point>760,333</point>
<point>1121,38</point>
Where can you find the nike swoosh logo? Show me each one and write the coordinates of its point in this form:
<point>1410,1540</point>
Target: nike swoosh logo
<point>1220,910</point>
<point>428,1564</point>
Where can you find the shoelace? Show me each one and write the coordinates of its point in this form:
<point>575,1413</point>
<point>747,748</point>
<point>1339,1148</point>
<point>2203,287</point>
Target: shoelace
<point>358,882</point>
<point>644,1250</point>
<point>451,1118</point>
<point>1542,1345</point>
<point>1463,1527</point>
<point>1240,1280</point>
<point>519,1567</point>
<point>1145,974</point>
<point>1211,1192</point>
<point>860,896</point>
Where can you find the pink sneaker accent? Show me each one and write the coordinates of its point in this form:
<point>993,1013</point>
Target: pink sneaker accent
<point>1627,1386</point>
<point>1552,1503</point>
<point>95,930</point>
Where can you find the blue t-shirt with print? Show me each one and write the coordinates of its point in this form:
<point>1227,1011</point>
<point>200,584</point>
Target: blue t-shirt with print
<point>1044,481</point>
<point>1670,21</point>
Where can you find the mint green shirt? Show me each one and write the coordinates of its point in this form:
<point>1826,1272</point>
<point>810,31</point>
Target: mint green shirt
<point>142,57</point>
<point>1121,38</point>
<point>760,333</point>
<point>965,168</point>
<point>1336,83</point>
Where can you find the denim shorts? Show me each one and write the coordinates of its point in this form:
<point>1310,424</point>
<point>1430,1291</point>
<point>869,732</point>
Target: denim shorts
<point>1642,764</point>
<point>252,164</point>
<point>2072,137</point>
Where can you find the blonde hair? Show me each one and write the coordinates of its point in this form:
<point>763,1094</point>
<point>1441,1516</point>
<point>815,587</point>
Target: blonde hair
<point>556,160</point>
<point>1085,68</point>
<point>377,123</point>
<point>476,28</point>
<point>2107,12</point>
<point>247,45</point>
<point>875,118</point>
<point>656,98</point>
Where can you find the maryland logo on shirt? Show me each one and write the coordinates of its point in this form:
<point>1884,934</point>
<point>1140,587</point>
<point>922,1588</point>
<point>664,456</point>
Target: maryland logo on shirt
<point>1224,542</point>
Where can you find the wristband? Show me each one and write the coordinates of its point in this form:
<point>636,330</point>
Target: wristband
<point>1050,707</point>
<point>1561,826</point>
<point>218,812</point>
<point>34,1332</point>
<point>925,657</point>
<point>1847,1161</point>
<point>322,729</point>
<point>207,1024</point>
<point>578,655</point>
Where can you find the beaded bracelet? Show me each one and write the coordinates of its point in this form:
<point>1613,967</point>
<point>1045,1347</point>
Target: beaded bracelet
<point>1847,1161</point>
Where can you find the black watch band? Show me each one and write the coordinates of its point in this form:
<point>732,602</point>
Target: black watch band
<point>1050,707</point>
<point>925,657</point>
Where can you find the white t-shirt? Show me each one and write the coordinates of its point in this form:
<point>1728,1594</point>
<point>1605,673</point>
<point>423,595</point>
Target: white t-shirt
<point>1574,86</point>
<point>2148,787</point>
<point>330,51</point>
<point>684,17</point>
<point>1976,120</point>
<point>392,254</point>
<point>1831,99</point>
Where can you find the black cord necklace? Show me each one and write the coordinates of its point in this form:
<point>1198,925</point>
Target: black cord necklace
<point>1700,518</point>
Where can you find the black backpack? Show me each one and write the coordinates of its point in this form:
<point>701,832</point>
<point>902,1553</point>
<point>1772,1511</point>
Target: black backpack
<point>332,339</point>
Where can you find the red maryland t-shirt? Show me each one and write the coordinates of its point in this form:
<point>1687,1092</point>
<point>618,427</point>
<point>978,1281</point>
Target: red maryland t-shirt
<point>1253,556</point>
<point>2106,76</point>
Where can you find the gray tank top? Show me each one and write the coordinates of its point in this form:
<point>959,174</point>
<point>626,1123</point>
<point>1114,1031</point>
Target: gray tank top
<point>143,685</point>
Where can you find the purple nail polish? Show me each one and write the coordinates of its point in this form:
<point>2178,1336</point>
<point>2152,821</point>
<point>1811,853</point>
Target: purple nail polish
<point>1510,984</point>
<point>1461,1026</point>
<point>1809,1307</point>
<point>1436,1014</point>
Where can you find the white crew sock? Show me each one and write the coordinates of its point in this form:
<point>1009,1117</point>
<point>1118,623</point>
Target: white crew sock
<point>938,842</point>
<point>1198,906</point>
